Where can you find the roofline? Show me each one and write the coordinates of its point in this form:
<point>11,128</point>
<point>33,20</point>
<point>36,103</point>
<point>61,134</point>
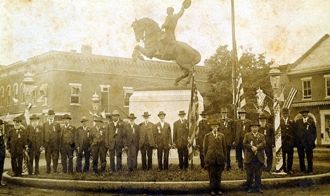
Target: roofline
<point>317,44</point>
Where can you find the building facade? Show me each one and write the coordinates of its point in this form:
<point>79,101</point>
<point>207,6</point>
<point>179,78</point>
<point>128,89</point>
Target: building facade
<point>72,82</point>
<point>310,75</point>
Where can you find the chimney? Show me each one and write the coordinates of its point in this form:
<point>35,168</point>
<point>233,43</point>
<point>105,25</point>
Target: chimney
<point>86,49</point>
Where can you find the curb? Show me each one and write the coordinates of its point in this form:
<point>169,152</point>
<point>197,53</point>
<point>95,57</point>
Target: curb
<point>160,186</point>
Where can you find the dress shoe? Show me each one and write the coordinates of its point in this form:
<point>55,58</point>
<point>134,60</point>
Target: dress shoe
<point>250,190</point>
<point>213,193</point>
<point>259,191</point>
<point>220,193</point>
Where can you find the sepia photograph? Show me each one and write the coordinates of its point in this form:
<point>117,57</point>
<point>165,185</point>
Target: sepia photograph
<point>164,97</point>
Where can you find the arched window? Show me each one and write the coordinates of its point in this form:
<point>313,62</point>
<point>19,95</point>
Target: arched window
<point>15,95</point>
<point>8,95</point>
<point>2,96</point>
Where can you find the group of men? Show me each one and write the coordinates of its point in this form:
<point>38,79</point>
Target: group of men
<point>256,139</point>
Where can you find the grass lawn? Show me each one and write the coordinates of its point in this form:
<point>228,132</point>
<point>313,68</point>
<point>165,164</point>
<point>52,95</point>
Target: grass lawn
<point>173,174</point>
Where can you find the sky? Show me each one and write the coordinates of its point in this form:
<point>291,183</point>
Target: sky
<point>283,30</point>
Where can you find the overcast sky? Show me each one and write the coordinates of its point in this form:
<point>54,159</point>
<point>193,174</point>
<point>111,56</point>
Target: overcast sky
<point>283,30</point>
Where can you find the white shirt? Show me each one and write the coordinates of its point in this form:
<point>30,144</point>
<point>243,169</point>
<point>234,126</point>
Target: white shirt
<point>115,123</point>
<point>162,124</point>
<point>305,120</point>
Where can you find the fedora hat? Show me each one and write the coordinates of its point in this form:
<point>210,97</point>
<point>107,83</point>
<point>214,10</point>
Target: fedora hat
<point>254,123</point>
<point>34,117</point>
<point>263,116</point>
<point>115,113</point>
<point>241,111</point>
<point>97,119</point>
<point>213,122</point>
<point>182,113</point>
<point>83,119</point>
<point>51,112</point>
<point>131,116</point>
<point>161,113</point>
<point>17,119</point>
<point>146,114</point>
<point>304,111</point>
<point>204,113</point>
<point>66,116</point>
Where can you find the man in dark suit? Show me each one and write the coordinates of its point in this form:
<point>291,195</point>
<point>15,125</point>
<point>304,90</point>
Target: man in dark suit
<point>147,141</point>
<point>254,145</point>
<point>132,142</point>
<point>180,139</point>
<point>227,129</point>
<point>268,131</point>
<point>287,137</point>
<point>215,156</point>
<point>203,129</point>
<point>67,145</point>
<point>116,141</point>
<point>52,133</point>
<point>35,143</point>
<point>242,126</point>
<point>17,141</point>
<point>306,135</point>
<point>83,144</point>
<point>2,149</point>
<point>163,141</point>
<point>99,136</point>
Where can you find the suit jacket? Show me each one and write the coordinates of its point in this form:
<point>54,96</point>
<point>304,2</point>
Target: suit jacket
<point>35,137</point>
<point>116,134</point>
<point>227,128</point>
<point>214,148</point>
<point>268,132</point>
<point>203,129</point>
<point>306,133</point>
<point>163,135</point>
<point>17,138</point>
<point>241,128</point>
<point>83,137</point>
<point>99,136</point>
<point>146,133</point>
<point>180,133</point>
<point>52,134</point>
<point>132,135</point>
<point>67,136</point>
<point>287,133</point>
<point>259,142</point>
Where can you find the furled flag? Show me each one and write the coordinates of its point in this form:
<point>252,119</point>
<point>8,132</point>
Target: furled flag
<point>193,116</point>
<point>239,101</point>
<point>289,99</point>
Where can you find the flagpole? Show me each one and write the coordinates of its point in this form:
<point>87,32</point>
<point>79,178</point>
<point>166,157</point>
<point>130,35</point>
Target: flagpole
<point>190,107</point>
<point>234,57</point>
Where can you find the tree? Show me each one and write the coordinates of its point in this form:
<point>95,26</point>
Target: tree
<point>254,69</point>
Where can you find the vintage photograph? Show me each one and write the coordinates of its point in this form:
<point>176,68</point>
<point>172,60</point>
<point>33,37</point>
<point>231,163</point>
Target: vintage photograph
<point>164,97</point>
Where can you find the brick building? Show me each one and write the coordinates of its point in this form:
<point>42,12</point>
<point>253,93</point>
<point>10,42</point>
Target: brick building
<point>66,82</point>
<point>310,75</point>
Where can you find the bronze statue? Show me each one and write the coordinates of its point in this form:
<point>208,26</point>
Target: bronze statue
<point>163,45</point>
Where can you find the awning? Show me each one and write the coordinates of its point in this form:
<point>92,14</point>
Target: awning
<point>10,117</point>
<point>311,103</point>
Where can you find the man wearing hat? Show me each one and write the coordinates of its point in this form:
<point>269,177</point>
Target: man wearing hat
<point>254,145</point>
<point>99,137</point>
<point>215,155</point>
<point>163,138</point>
<point>180,139</point>
<point>147,141</point>
<point>83,144</point>
<point>227,128</point>
<point>67,145</point>
<point>287,137</point>
<point>35,143</point>
<point>242,126</point>
<point>52,134</point>
<point>132,142</point>
<point>116,141</point>
<point>203,129</point>
<point>2,149</point>
<point>17,141</point>
<point>306,135</point>
<point>268,131</point>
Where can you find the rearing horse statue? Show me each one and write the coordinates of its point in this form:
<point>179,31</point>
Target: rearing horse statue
<point>155,45</point>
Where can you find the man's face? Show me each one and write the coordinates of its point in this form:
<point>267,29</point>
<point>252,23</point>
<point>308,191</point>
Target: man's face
<point>242,116</point>
<point>224,115</point>
<point>254,128</point>
<point>305,114</point>
<point>204,117</point>
<point>84,123</point>
<point>67,121</point>
<point>131,120</point>
<point>34,122</point>
<point>263,122</point>
<point>16,123</point>
<point>51,117</point>
<point>170,11</point>
<point>115,118</point>
<point>214,127</point>
<point>161,117</point>
<point>182,116</point>
<point>146,118</point>
<point>285,115</point>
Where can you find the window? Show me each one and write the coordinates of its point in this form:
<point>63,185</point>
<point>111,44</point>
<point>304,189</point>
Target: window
<point>2,96</point>
<point>327,86</point>
<point>8,100</point>
<point>75,93</point>
<point>43,90</point>
<point>128,91</point>
<point>306,88</point>
<point>22,93</point>
<point>105,98</point>
<point>15,96</point>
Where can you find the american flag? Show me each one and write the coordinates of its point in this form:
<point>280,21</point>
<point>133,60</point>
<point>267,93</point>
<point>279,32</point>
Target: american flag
<point>289,99</point>
<point>193,116</point>
<point>239,101</point>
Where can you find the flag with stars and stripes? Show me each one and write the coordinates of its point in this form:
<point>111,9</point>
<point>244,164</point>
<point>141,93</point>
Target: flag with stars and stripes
<point>239,101</point>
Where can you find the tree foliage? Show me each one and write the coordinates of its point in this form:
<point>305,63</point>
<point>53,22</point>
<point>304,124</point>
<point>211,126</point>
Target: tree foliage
<point>254,69</point>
